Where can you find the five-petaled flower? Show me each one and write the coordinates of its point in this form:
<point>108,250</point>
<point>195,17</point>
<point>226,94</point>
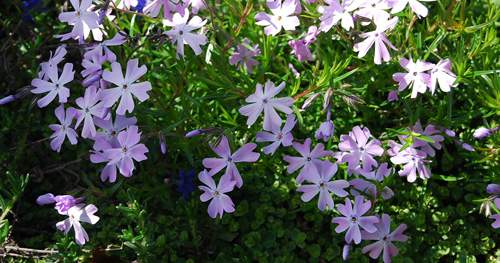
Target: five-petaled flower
<point>357,149</point>
<point>244,55</point>
<point>181,32</point>
<point>125,86</point>
<point>64,129</point>
<point>82,19</point>
<point>309,161</point>
<point>281,17</point>
<point>353,219</point>
<point>277,136</point>
<point>220,201</point>
<point>379,38</point>
<point>228,160</point>
<point>416,76</point>
<point>90,106</point>
<point>56,86</point>
<point>415,5</point>
<point>77,214</point>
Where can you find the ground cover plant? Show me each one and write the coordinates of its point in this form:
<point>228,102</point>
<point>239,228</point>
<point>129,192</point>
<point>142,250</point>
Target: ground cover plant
<point>241,131</point>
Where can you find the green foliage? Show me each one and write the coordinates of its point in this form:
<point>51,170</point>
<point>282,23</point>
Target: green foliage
<point>145,218</point>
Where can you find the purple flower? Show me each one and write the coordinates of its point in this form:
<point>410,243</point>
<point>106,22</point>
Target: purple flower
<point>228,160</point>
<point>467,147</point>
<point>181,32</point>
<point>77,214</point>
<point>129,149</point>
<point>322,184</point>
<point>125,86</point>
<point>98,156</point>
<point>102,50</point>
<point>379,38</point>
<point>393,95</point>
<point>496,217</point>
<point>374,10</point>
<point>379,174</point>
<point>325,131</point>
<point>362,187</point>
<point>345,251</point>
<point>63,130</point>
<point>441,73</point>
<point>309,161</point>
<point>53,61</point>
<point>220,201</point>
<point>90,106</point>
<point>265,101</point>
<point>481,133</point>
<point>311,36</point>
<point>300,50</point>
<point>353,219</point>
<point>493,189</point>
<point>63,202</point>
<point>277,136</point>
<point>56,85</point>
<point>415,77</point>
<point>335,12</point>
<point>244,55</point>
<point>82,19</point>
<point>357,148</point>
<point>384,239</point>
<point>281,17</point>
<point>169,8</point>
<point>413,161</point>
<point>415,6</point>
<point>430,131</point>
<point>93,69</point>
<point>125,4</point>
<point>194,133</point>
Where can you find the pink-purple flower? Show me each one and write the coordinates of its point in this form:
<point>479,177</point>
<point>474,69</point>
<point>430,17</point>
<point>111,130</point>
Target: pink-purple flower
<point>77,214</point>
<point>55,87</point>
<point>220,201</point>
<point>281,17</point>
<point>62,202</point>
<point>384,239</point>
<point>496,223</point>
<point>309,160</point>
<point>324,186</point>
<point>379,39</point>
<point>277,135</point>
<point>244,55</point>
<point>414,161</point>
<point>90,106</point>
<point>416,77</point>
<point>354,219</point>
<point>182,32</point>
<point>265,101</point>
<point>64,129</point>
<point>359,148</point>
<point>335,12</point>
<point>228,160</point>
<point>441,74</point>
<point>126,87</point>
<point>82,19</point>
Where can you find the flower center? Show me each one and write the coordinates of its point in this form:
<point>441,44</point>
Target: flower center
<point>265,101</point>
<point>124,149</point>
<point>279,18</point>
<point>125,86</point>
<point>216,193</point>
<point>353,219</point>
<point>376,34</point>
<point>229,159</point>
<point>415,74</point>
<point>280,136</point>
<point>181,32</point>
<point>309,159</point>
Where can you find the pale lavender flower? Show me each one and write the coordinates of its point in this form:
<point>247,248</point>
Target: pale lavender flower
<point>496,217</point>
<point>277,135</point>
<point>362,187</point>
<point>102,49</point>
<point>375,10</point>
<point>467,147</point>
<point>125,4</point>
<point>379,38</point>
<point>154,7</point>
<point>64,129</point>
<point>324,186</point>
<point>441,73</point>
<point>296,74</point>
<point>62,202</point>
<point>346,250</point>
<point>93,69</point>
<point>181,32</point>
<point>312,34</point>
<point>281,17</point>
<point>265,101</point>
<point>98,156</point>
<point>357,149</point>
<point>244,55</point>
<point>244,154</point>
<point>53,61</point>
<point>309,160</point>
<point>430,131</point>
<point>56,86</point>
<point>335,12</point>
<point>379,174</point>
<point>325,131</point>
<point>194,133</point>
<point>197,5</point>
<point>300,50</point>
<point>415,5</point>
<point>125,86</point>
<point>415,77</point>
<point>129,150</point>
<point>384,238</point>
<point>82,19</point>
<point>482,132</point>
<point>90,106</point>
<point>353,219</point>
<point>413,161</point>
<point>77,214</point>
<point>110,129</point>
<point>220,201</point>
<point>493,189</point>
<point>393,95</point>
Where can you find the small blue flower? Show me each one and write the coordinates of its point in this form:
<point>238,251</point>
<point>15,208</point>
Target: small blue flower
<point>185,184</point>
<point>140,6</point>
<point>27,6</point>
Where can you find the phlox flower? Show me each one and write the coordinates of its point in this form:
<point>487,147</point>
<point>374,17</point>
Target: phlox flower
<point>363,187</point>
<point>62,202</point>
<point>125,86</point>
<point>277,135</point>
<point>263,100</point>
<point>357,148</point>
<point>393,95</point>
<point>493,189</point>
<point>244,154</point>
<point>197,5</point>
<point>281,17</point>
<point>102,49</point>
<point>54,87</point>
<point>415,77</point>
<point>77,214</point>
<point>325,131</point>
<point>98,156</point>
<point>353,219</point>
<point>53,61</point>
<point>125,4</point>
<point>322,184</point>
<point>92,70</point>
<point>154,7</point>
<point>430,131</point>
<point>384,238</point>
<point>244,55</point>
<point>129,149</point>
<point>82,19</point>
<point>415,5</point>
<point>413,161</point>
<point>496,217</point>
<point>220,201</point>
<point>64,129</point>
<point>335,12</point>
<point>300,50</point>
<point>90,106</point>
<point>379,38</point>
<point>182,32</point>
<point>110,129</point>
<point>375,10</point>
<point>309,160</point>
<point>311,35</point>
<point>441,73</point>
